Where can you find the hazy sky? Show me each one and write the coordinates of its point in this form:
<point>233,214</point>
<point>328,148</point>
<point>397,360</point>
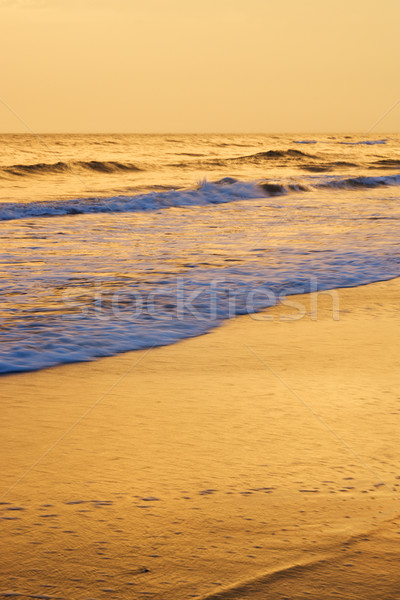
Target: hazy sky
<point>199,66</point>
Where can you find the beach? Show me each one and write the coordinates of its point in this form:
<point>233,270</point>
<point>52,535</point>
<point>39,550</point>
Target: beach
<point>259,460</point>
<point>199,300</point>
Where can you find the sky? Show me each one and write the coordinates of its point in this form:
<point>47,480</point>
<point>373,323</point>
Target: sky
<point>230,66</point>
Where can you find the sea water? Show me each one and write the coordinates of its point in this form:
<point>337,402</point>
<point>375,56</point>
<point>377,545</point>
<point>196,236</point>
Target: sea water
<point>112,243</point>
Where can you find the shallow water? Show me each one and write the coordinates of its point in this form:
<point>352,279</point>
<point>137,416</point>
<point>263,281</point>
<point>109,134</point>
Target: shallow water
<point>117,242</point>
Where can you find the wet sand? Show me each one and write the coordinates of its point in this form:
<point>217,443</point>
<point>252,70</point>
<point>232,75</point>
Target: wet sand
<point>258,461</point>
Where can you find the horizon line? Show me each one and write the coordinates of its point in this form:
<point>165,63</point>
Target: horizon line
<point>308,133</point>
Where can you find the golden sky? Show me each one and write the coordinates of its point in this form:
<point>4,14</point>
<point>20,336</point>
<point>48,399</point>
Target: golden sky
<point>199,65</point>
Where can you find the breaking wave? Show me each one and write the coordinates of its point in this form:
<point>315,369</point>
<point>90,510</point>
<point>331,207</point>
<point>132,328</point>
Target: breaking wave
<point>226,190</point>
<point>362,182</point>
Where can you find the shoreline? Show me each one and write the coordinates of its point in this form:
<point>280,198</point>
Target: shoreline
<point>254,459</point>
<point>216,324</point>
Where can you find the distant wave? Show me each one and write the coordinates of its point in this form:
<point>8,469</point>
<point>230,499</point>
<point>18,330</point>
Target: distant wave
<point>271,154</point>
<point>220,192</point>
<point>26,170</point>
<point>294,155</point>
<point>65,167</point>
<point>305,142</point>
<point>314,163</point>
<point>259,157</point>
<point>386,163</point>
<point>364,142</point>
<point>328,166</point>
<point>361,182</point>
<point>359,143</point>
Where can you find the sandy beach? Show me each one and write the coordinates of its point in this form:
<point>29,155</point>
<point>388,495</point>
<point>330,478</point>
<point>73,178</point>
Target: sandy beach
<point>258,461</point>
<point>199,300</point>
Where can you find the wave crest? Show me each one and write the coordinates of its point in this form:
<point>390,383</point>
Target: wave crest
<point>223,191</point>
<point>111,166</point>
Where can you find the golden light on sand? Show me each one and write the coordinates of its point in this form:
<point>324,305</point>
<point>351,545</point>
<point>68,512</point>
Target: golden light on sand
<point>199,316</point>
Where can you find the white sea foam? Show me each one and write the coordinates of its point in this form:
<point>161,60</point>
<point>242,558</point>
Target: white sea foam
<point>207,193</point>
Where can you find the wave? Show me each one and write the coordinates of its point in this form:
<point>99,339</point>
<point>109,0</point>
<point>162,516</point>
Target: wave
<point>223,191</point>
<point>386,163</point>
<point>329,166</point>
<point>278,189</point>
<point>314,163</point>
<point>25,170</point>
<point>226,190</point>
<point>259,157</point>
<point>271,155</point>
<point>313,168</point>
<point>305,142</point>
<point>361,182</point>
<point>364,142</point>
<point>111,166</point>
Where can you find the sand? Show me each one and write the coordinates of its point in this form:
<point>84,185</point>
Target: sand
<point>258,461</point>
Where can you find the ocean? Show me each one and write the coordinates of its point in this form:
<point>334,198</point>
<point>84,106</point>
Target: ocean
<point>112,243</point>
